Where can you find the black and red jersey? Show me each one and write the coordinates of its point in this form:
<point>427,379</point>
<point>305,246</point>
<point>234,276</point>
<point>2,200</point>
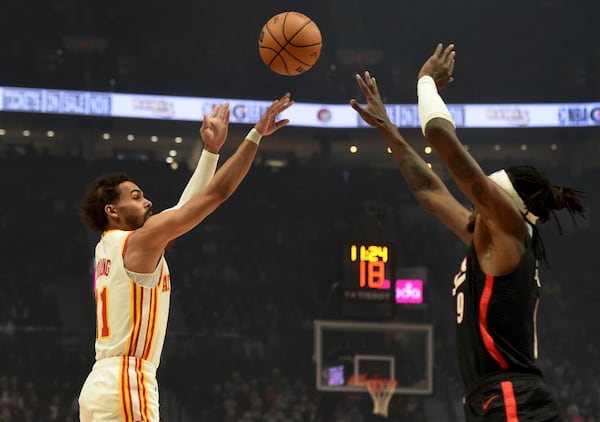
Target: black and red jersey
<point>496,318</point>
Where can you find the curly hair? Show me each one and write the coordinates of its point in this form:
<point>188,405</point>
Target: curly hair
<point>104,190</point>
<point>543,198</point>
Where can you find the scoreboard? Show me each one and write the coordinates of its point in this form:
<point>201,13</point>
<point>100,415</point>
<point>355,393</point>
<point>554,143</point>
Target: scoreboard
<point>367,280</point>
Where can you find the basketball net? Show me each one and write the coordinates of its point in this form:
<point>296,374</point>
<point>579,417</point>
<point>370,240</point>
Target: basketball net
<point>381,392</point>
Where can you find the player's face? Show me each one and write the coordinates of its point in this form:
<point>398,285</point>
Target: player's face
<point>133,209</point>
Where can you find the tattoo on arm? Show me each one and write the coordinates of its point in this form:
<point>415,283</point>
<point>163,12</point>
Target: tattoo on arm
<point>479,194</point>
<point>462,167</point>
<point>465,169</point>
<point>418,177</point>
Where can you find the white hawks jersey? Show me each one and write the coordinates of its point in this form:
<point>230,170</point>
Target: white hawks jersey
<point>131,319</point>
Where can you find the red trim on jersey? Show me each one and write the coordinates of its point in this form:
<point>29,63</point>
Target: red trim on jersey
<point>140,317</point>
<point>151,329</point>
<point>510,402</point>
<point>124,247</point>
<point>152,317</point>
<point>488,341</point>
<point>136,317</point>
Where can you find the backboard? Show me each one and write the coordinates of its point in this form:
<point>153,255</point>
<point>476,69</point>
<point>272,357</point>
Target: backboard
<point>348,353</point>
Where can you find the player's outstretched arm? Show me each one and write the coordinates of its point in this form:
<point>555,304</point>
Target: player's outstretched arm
<point>146,245</point>
<point>494,206</point>
<point>213,133</point>
<point>425,185</point>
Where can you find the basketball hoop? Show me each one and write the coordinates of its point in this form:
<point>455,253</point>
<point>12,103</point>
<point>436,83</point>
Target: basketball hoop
<point>381,392</point>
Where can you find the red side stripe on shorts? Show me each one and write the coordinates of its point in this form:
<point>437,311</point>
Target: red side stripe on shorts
<point>488,341</point>
<point>510,402</point>
<point>125,390</point>
<point>142,393</point>
<point>122,389</point>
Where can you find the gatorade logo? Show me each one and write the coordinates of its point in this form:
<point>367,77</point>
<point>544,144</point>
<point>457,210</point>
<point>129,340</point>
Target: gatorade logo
<point>409,291</point>
<point>595,115</point>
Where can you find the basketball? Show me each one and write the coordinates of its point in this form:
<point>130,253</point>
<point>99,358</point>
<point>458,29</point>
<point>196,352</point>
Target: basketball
<point>290,43</point>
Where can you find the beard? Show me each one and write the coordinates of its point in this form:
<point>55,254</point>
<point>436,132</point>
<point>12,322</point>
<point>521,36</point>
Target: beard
<point>135,221</point>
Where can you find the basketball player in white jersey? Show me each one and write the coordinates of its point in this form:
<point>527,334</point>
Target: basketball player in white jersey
<point>132,281</point>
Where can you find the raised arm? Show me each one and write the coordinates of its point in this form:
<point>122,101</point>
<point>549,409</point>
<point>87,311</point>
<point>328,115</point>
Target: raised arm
<point>214,133</point>
<point>147,244</point>
<point>500,229</point>
<point>422,181</point>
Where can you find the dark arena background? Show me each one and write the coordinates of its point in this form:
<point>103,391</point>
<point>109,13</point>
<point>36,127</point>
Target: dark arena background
<point>275,294</point>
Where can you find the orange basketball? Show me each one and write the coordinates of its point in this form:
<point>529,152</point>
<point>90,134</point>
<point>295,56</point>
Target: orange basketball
<point>290,43</point>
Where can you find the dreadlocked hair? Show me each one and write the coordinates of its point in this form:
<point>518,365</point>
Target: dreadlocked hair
<point>543,199</point>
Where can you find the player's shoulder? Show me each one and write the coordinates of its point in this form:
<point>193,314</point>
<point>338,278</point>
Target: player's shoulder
<point>114,236</point>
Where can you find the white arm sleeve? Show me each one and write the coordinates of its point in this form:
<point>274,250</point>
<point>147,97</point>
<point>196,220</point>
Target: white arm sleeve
<point>204,172</point>
<point>430,103</point>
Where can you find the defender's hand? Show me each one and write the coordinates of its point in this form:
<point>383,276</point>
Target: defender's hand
<point>440,66</point>
<point>374,113</point>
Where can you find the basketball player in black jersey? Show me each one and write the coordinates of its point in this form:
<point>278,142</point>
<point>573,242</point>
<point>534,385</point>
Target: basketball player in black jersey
<point>497,287</point>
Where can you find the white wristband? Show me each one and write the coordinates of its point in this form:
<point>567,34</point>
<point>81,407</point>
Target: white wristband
<point>430,103</point>
<point>254,136</point>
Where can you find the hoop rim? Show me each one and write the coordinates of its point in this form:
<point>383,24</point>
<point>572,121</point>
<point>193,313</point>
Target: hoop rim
<point>385,382</point>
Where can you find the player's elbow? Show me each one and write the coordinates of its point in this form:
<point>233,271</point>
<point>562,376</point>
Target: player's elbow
<point>439,128</point>
<point>220,194</point>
